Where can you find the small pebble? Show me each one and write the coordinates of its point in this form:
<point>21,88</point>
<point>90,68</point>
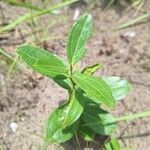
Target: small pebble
<point>76,14</point>
<point>14,127</point>
<point>129,34</point>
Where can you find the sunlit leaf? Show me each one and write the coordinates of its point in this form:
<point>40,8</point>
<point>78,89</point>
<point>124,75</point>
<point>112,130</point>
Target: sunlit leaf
<point>95,88</point>
<point>113,144</point>
<point>91,69</point>
<point>78,36</point>
<point>43,61</point>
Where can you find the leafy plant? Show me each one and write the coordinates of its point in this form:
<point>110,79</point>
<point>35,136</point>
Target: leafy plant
<point>85,111</point>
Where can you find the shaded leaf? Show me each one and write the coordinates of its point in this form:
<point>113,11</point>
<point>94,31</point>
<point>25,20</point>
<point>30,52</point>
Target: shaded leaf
<point>43,61</point>
<point>86,133</point>
<point>119,87</point>
<point>66,83</point>
<point>78,36</point>
<point>95,88</point>
<point>98,120</point>
<point>65,116</point>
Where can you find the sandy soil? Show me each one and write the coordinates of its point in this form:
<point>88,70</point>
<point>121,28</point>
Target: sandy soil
<point>27,98</point>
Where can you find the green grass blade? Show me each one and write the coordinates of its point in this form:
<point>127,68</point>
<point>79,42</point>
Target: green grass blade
<point>29,16</point>
<point>133,116</point>
<point>137,20</point>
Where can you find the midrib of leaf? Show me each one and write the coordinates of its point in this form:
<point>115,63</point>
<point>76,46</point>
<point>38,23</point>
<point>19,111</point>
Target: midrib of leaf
<point>79,40</point>
<point>53,70</point>
<point>79,54</point>
<point>72,98</point>
<point>71,40</point>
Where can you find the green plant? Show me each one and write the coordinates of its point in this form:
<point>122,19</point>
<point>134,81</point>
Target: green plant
<point>85,111</point>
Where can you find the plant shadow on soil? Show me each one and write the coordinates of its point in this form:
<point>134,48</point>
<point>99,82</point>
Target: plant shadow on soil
<point>79,143</point>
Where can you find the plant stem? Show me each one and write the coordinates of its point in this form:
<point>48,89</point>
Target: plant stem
<point>44,146</point>
<point>4,53</point>
<point>133,116</point>
<point>12,67</point>
<point>78,142</point>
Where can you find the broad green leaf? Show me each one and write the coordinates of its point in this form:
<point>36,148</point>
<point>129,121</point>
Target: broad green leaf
<point>91,69</point>
<point>66,115</point>
<point>119,87</point>
<point>78,36</point>
<point>98,120</point>
<point>115,144</point>
<point>43,61</point>
<point>95,88</point>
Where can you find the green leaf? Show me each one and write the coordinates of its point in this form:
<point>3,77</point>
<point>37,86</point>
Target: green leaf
<point>98,120</point>
<point>43,61</point>
<point>91,69</point>
<point>95,88</point>
<point>119,87</point>
<point>63,135</point>
<point>66,115</point>
<point>66,83</point>
<point>113,144</point>
<point>78,36</point>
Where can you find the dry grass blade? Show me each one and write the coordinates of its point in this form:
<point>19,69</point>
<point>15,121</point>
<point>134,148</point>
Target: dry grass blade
<point>29,16</point>
<point>133,22</point>
<point>22,4</point>
<point>5,54</point>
